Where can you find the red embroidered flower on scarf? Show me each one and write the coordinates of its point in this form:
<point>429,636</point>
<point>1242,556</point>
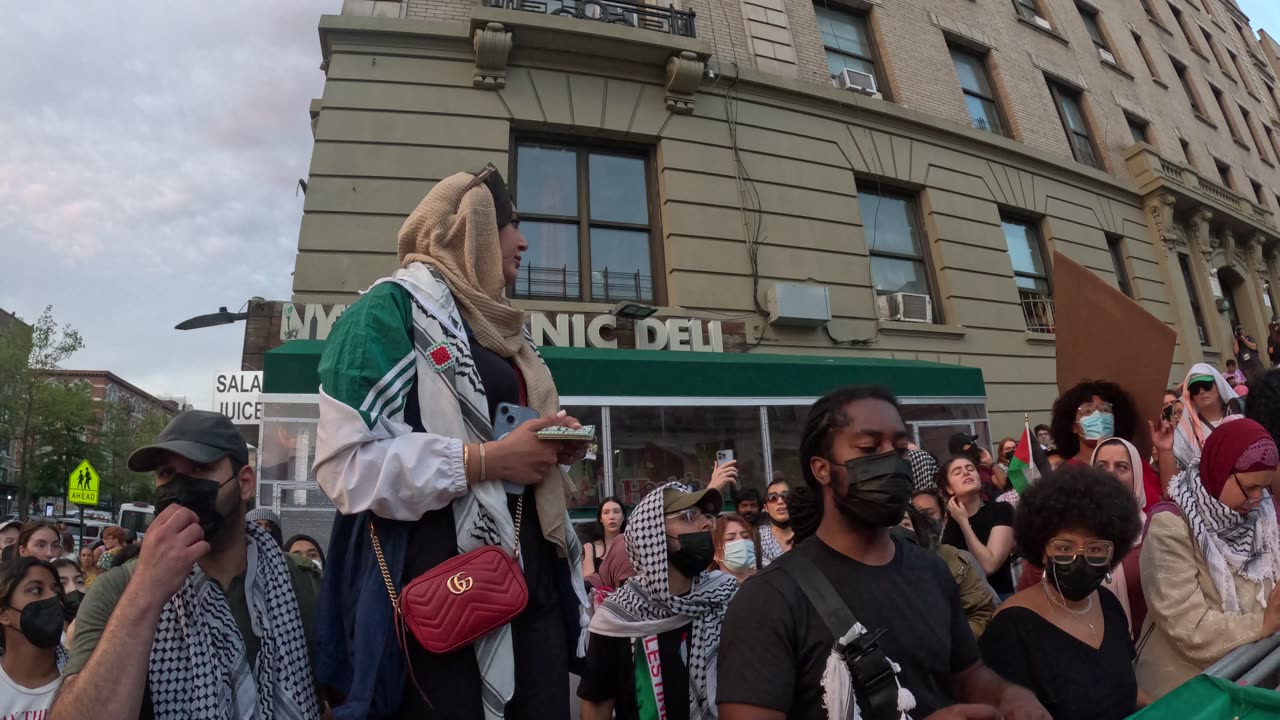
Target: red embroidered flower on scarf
<point>440,356</point>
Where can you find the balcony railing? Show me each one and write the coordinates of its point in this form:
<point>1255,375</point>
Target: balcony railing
<point>1151,169</point>
<point>1037,310</point>
<point>561,283</point>
<point>618,12</point>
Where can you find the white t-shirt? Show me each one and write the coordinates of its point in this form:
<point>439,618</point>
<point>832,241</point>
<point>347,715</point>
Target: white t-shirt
<point>25,703</point>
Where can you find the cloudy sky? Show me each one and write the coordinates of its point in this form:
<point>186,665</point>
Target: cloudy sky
<point>151,154</point>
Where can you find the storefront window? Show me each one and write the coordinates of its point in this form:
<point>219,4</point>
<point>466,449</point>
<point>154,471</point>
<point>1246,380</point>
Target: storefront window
<point>786,425</point>
<point>655,445</point>
<point>588,475</point>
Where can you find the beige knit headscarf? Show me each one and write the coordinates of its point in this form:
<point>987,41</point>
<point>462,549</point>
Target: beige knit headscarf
<point>454,230</point>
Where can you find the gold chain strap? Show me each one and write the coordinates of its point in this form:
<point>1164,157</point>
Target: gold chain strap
<point>386,574</point>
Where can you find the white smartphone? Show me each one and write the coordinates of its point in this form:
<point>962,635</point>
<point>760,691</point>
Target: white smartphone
<point>723,456</point>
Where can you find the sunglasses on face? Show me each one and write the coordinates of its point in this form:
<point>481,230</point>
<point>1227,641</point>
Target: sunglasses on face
<point>1199,387</point>
<point>777,496</point>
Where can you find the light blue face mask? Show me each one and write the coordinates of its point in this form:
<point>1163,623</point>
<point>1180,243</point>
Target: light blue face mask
<point>740,555</point>
<point>1098,425</point>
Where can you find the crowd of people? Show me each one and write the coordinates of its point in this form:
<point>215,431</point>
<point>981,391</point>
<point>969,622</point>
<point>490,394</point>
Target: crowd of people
<point>873,580</point>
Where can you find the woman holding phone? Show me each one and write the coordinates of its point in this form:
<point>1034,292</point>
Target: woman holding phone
<point>411,382</point>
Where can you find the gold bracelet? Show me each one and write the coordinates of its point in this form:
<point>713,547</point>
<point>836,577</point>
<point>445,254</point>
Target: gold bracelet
<point>484,474</point>
<point>466,461</point>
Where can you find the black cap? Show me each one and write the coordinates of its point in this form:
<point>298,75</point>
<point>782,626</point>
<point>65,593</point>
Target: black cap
<point>962,443</point>
<point>197,435</point>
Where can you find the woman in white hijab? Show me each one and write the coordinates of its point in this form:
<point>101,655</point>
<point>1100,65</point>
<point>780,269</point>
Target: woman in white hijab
<point>1123,461</point>
<point>1207,402</point>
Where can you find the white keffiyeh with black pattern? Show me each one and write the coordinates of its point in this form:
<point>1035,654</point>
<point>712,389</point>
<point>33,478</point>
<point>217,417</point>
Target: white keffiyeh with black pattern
<point>1247,545</point>
<point>645,606</point>
<point>199,665</point>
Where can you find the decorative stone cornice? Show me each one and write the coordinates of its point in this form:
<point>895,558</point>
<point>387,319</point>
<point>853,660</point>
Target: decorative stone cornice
<point>493,46</point>
<point>684,75</point>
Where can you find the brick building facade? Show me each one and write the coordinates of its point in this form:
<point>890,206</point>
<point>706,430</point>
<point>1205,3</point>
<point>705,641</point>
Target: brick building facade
<point>1137,137</point>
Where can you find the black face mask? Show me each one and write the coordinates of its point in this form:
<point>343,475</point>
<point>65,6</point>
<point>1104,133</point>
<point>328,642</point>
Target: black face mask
<point>1077,580</point>
<point>41,623</point>
<point>199,495</point>
<point>877,490</point>
<point>695,555</point>
<point>71,604</point>
<point>1008,457</point>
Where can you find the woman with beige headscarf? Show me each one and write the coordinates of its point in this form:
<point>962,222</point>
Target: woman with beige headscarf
<point>410,382</point>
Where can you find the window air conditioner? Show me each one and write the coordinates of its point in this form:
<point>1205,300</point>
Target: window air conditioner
<point>857,81</point>
<point>1106,55</point>
<point>908,307</point>
<point>1041,23</point>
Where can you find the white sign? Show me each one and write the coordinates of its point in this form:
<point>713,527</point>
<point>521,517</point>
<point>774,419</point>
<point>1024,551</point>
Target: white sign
<point>676,334</point>
<point>308,322</point>
<point>238,396</point>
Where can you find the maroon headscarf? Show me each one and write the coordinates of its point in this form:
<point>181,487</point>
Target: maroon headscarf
<point>1239,446</point>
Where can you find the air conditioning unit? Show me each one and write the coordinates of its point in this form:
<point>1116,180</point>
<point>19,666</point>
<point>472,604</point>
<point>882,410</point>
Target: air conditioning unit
<point>907,307</point>
<point>1106,55</point>
<point>1041,23</point>
<point>857,81</point>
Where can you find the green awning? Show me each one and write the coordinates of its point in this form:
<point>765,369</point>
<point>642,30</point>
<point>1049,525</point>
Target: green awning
<point>655,373</point>
<point>292,367</point>
<point>593,372</point>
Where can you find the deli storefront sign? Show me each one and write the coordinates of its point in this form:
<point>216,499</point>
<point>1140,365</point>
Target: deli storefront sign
<point>238,395</point>
<point>605,331</point>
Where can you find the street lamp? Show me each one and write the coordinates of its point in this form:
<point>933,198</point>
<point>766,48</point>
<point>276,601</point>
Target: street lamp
<point>222,317</point>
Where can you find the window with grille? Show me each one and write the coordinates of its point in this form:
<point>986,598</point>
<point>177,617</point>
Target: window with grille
<point>1030,273</point>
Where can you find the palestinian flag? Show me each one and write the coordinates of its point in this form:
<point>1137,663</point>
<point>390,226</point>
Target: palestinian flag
<point>1028,464</point>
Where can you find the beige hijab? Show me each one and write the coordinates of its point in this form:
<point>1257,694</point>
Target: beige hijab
<point>455,230</point>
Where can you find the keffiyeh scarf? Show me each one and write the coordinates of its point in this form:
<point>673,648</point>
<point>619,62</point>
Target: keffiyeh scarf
<point>924,469</point>
<point>770,548</point>
<point>644,605</point>
<point>199,664</point>
<point>1247,545</point>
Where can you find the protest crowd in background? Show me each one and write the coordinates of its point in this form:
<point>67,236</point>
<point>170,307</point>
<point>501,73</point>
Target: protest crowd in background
<point>1084,568</point>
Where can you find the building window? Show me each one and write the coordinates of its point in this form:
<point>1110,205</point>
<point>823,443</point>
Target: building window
<point>1253,132</point>
<point>1197,315</point>
<point>1071,112</point>
<point>1030,274</point>
<point>979,93</point>
<point>1224,173</point>
<point>1271,139</point>
<point>1187,87</point>
<point>1093,24</point>
<point>1029,10</point>
<point>1146,58</point>
<point>584,207</point>
<point>1235,62</point>
<point>847,38</point>
<point>1151,13</point>
<point>1213,50</point>
<point>1139,129</point>
<point>1186,29</point>
<point>1186,152</point>
<point>1225,109</point>
<point>899,264</point>
<point>1115,244</point>
<point>1257,192</point>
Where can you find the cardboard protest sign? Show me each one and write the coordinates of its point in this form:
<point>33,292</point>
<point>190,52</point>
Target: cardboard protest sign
<point>1101,334</point>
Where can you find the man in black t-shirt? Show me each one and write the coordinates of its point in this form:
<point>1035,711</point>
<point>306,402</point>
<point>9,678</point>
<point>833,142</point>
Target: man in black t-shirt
<point>654,642</point>
<point>776,655</point>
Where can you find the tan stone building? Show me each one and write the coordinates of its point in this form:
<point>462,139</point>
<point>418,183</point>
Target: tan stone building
<point>860,179</point>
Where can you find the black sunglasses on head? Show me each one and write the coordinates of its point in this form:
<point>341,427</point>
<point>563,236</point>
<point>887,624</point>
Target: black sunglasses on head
<point>1199,387</point>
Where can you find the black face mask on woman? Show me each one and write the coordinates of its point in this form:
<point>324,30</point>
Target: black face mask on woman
<point>877,490</point>
<point>1078,579</point>
<point>71,604</point>
<point>41,622</point>
<point>199,495</point>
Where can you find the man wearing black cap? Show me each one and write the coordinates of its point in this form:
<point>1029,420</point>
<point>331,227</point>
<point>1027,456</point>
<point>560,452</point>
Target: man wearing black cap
<point>212,620</point>
<point>655,641</point>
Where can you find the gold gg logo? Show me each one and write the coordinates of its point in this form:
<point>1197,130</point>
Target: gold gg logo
<point>460,583</point>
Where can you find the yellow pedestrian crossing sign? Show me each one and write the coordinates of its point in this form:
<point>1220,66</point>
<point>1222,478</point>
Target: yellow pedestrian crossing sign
<point>82,485</point>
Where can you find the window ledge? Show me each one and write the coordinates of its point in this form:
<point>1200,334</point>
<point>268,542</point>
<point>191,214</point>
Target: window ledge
<point>1253,94</point>
<point>897,327</point>
<point>1232,79</point>
<point>1243,145</point>
<point>1115,68</point>
<point>1205,120</point>
<point>1042,31</point>
<point>1266,161</point>
<point>1038,338</point>
<point>1160,26</point>
<point>1200,52</point>
<point>1160,82</point>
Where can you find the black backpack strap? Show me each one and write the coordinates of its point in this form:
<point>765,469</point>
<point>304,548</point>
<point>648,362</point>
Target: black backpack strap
<point>875,686</point>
